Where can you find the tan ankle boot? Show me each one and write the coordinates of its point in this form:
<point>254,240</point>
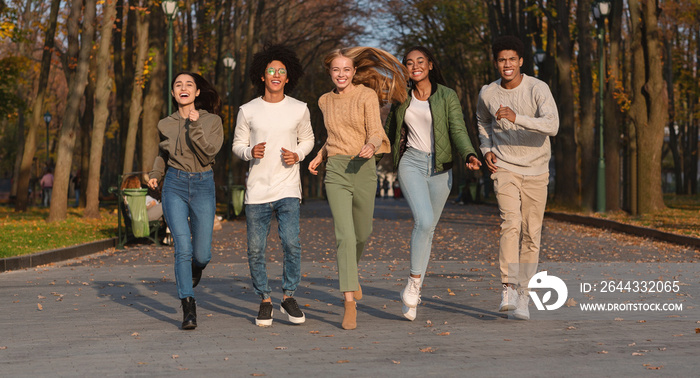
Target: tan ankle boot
<point>350,316</point>
<point>358,294</point>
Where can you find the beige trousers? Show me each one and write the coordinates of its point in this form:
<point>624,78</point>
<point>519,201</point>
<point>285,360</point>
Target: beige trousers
<point>521,201</point>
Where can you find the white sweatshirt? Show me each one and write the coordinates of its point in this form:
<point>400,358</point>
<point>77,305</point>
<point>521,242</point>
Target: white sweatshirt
<point>522,147</point>
<point>283,124</point>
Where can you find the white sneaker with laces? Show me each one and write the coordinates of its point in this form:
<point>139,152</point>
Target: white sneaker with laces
<point>509,298</point>
<point>410,295</point>
<point>522,311</point>
<point>409,312</point>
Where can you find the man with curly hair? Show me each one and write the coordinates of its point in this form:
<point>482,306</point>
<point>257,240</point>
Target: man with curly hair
<point>273,132</point>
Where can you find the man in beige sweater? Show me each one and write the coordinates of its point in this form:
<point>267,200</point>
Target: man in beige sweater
<point>516,116</point>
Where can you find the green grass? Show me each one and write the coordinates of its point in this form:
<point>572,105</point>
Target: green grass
<point>682,215</point>
<point>28,232</point>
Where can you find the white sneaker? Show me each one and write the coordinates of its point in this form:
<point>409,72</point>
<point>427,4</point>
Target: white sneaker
<point>410,295</point>
<point>522,311</point>
<point>409,312</point>
<point>509,298</point>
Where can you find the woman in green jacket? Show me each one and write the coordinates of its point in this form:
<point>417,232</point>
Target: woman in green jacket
<point>423,131</point>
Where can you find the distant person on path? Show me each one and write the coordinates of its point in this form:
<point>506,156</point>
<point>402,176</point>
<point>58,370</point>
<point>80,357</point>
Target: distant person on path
<point>364,78</point>
<point>273,132</point>
<point>76,188</point>
<point>190,138</point>
<point>516,115</point>
<point>47,186</point>
<point>423,131</point>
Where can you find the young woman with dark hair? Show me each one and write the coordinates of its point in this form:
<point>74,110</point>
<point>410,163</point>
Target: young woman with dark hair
<point>364,79</point>
<point>424,130</point>
<point>190,138</point>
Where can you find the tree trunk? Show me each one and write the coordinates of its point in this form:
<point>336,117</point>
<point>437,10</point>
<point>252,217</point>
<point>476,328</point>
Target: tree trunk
<point>587,111</point>
<point>86,125</point>
<point>673,142</point>
<point>137,90</point>
<point>613,116</point>
<point>59,197</point>
<point>154,100</point>
<point>103,89</point>
<point>118,57</point>
<point>19,140</point>
<point>650,136</point>
<point>128,79</point>
<point>36,121</point>
<point>566,179</point>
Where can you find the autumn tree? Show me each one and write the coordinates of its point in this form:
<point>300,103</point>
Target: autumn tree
<point>102,92</point>
<point>66,140</point>
<point>649,107</point>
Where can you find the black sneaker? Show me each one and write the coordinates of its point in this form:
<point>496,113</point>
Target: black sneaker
<point>264,318</point>
<point>290,307</point>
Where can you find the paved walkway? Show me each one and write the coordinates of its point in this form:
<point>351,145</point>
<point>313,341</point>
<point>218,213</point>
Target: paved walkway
<point>116,313</point>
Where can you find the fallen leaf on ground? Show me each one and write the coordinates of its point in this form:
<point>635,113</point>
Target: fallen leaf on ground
<point>428,350</point>
<point>570,302</point>
<point>444,334</point>
<point>396,362</point>
<point>314,332</point>
<point>655,367</point>
<point>40,307</point>
<point>175,356</point>
<point>281,348</point>
<point>342,361</point>
<point>135,334</point>
<point>603,352</point>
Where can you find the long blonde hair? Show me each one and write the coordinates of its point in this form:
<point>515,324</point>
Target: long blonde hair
<point>376,69</point>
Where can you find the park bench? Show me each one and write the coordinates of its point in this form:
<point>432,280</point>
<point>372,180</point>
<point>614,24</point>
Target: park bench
<point>136,224</point>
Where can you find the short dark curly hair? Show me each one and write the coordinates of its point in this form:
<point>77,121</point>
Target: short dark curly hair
<point>271,53</point>
<point>507,42</point>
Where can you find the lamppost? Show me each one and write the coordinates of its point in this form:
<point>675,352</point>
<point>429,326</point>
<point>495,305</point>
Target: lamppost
<point>47,119</point>
<point>170,9</point>
<point>230,64</point>
<point>601,9</point>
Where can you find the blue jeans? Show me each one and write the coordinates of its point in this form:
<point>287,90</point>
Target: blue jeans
<point>47,196</point>
<point>258,218</point>
<point>189,207</point>
<point>426,193</point>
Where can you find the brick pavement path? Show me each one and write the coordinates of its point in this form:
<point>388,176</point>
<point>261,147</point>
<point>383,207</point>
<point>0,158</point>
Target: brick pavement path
<point>115,313</point>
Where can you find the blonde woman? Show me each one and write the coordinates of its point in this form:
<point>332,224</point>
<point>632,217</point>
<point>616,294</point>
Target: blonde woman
<point>365,78</point>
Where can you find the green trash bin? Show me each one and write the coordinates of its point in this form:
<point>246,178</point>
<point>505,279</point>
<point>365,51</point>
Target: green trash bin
<point>136,203</point>
<point>238,199</point>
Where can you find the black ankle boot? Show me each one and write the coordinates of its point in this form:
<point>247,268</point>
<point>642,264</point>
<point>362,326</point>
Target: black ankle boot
<point>196,274</point>
<point>189,313</point>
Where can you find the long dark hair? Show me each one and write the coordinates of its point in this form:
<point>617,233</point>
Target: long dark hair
<point>208,98</point>
<point>435,75</point>
<point>269,54</point>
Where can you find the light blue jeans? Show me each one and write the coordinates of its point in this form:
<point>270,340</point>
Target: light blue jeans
<point>426,193</point>
<point>189,207</point>
<point>258,218</point>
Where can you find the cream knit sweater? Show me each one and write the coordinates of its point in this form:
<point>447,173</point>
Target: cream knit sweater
<point>352,120</point>
<point>522,147</point>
